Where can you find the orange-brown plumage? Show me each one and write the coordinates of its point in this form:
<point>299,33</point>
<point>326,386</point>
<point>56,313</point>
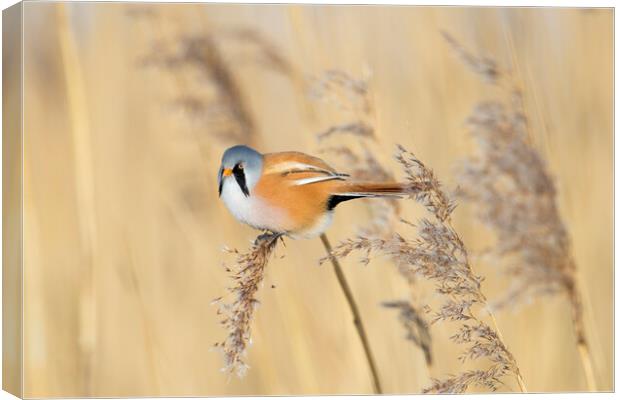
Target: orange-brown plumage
<point>295,193</point>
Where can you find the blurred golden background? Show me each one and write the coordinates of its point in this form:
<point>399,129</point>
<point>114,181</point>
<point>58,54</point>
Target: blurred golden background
<point>123,229</point>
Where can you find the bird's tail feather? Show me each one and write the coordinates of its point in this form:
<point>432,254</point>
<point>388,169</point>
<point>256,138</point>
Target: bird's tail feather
<point>373,189</point>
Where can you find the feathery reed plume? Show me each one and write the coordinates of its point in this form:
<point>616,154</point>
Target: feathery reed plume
<point>345,92</point>
<point>439,255</point>
<point>264,51</point>
<point>516,197</point>
<point>358,128</point>
<point>486,67</point>
<point>206,73</point>
<point>248,273</point>
<point>514,194</point>
<point>415,325</point>
<point>214,95</point>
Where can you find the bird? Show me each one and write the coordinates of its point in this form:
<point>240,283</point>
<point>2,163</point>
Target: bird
<point>290,193</point>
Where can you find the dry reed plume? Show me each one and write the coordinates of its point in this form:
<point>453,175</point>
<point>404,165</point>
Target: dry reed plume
<point>247,272</point>
<point>439,255</point>
<point>205,66</point>
<point>415,325</point>
<point>514,194</point>
<point>347,93</point>
<point>216,98</point>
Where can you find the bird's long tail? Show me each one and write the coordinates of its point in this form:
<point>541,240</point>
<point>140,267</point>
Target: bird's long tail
<point>374,189</point>
<point>355,190</point>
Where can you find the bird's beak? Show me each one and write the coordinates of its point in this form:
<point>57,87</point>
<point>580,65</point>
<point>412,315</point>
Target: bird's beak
<point>224,172</point>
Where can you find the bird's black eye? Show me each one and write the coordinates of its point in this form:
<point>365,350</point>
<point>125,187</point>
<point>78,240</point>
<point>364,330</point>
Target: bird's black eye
<point>240,178</point>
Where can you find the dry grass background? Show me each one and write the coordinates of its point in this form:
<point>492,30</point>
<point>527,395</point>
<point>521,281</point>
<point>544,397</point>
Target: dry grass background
<point>124,230</point>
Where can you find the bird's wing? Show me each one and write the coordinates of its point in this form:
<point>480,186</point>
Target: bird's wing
<point>299,168</point>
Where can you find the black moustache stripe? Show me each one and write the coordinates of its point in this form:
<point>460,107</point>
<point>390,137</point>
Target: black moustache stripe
<point>240,178</point>
<point>220,180</point>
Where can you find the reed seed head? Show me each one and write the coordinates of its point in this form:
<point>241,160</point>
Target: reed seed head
<point>247,272</point>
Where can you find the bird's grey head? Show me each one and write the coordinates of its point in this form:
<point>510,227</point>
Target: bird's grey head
<point>244,165</point>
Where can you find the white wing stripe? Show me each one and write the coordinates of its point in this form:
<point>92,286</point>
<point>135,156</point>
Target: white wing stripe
<point>308,181</point>
<point>293,165</point>
<point>290,167</point>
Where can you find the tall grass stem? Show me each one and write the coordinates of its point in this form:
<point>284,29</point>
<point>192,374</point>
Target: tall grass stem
<point>586,360</point>
<point>582,343</point>
<point>75,89</point>
<point>357,319</point>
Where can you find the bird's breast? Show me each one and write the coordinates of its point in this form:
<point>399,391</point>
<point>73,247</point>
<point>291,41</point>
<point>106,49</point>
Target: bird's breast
<point>253,210</point>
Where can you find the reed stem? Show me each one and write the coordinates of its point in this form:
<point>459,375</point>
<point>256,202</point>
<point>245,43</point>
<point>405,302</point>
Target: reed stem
<point>357,320</point>
<point>580,334</point>
<point>77,114</point>
<point>586,360</point>
<point>520,380</point>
